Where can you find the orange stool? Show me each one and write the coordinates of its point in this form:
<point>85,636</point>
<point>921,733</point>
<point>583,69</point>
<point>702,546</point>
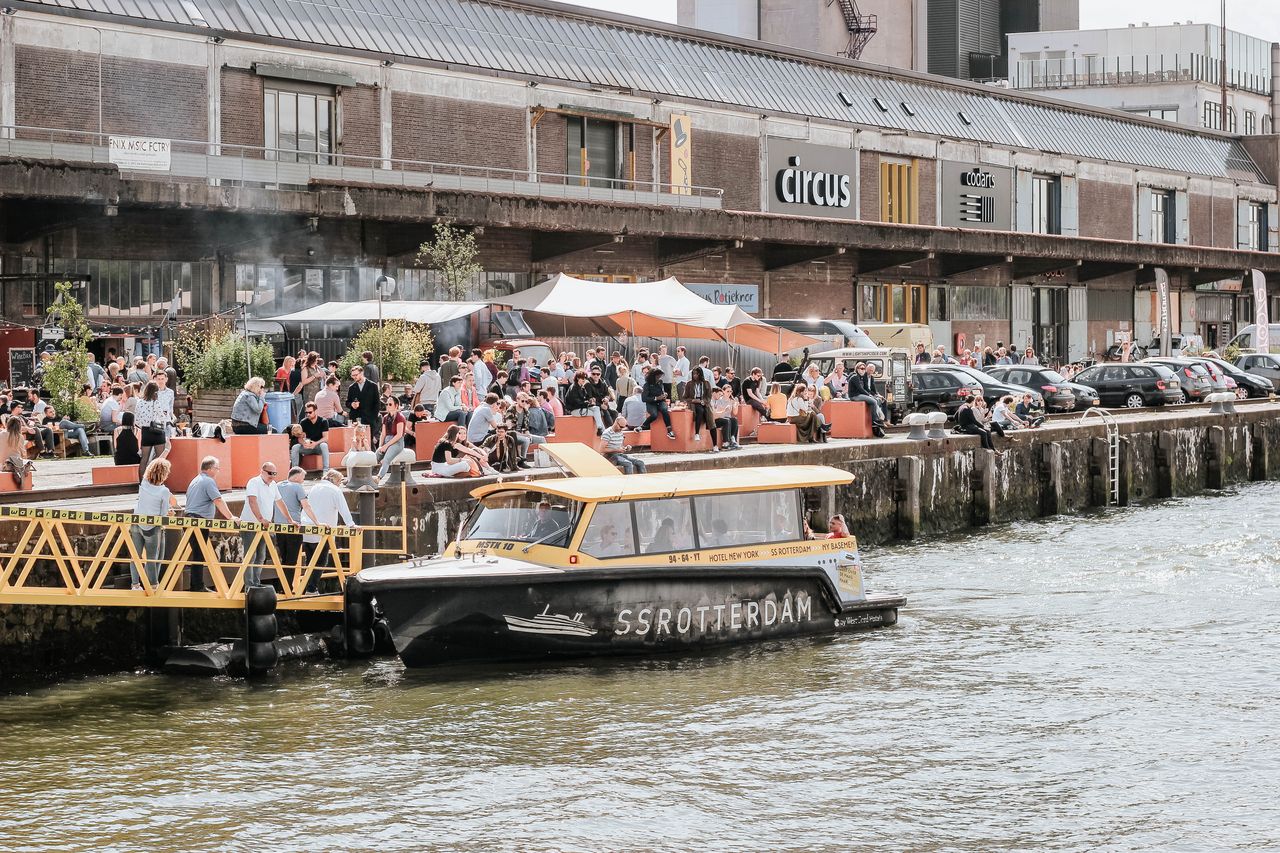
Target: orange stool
<point>426,435</point>
<point>250,452</point>
<point>112,475</point>
<point>575,428</point>
<point>185,455</point>
<point>339,439</point>
<point>682,425</point>
<point>776,434</point>
<point>848,418</point>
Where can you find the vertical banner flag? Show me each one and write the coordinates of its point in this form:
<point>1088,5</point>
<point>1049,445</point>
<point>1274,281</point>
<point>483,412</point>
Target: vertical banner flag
<point>1262,330</point>
<point>681,155</point>
<point>1166,330</point>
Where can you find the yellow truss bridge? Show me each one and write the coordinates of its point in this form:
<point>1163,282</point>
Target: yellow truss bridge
<point>67,557</point>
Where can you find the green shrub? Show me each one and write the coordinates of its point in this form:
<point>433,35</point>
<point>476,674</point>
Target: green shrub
<point>67,372</point>
<point>211,357</point>
<point>397,349</point>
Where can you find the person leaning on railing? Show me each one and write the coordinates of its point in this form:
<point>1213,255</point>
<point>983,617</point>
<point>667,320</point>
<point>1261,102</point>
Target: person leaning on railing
<point>203,501</point>
<point>154,498</point>
<point>327,506</point>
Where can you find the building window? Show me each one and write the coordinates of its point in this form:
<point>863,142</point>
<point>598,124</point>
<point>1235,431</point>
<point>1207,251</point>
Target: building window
<point>899,302</point>
<point>298,120</point>
<point>592,151</point>
<point>1212,118</point>
<point>899,193</point>
<point>1258,227</point>
<point>1250,122</point>
<point>1162,217</point>
<point>1231,119</point>
<point>1046,204</point>
<point>1168,114</point>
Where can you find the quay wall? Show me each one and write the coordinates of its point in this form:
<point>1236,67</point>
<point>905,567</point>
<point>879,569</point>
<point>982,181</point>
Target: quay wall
<point>903,490</point>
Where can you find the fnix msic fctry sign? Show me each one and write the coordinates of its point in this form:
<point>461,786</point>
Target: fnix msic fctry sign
<point>977,196</point>
<point>809,180</point>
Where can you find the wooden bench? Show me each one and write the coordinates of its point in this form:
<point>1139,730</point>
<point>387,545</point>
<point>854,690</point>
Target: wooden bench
<point>114,475</point>
<point>8,485</point>
<point>580,428</point>
<point>426,435</point>
<point>776,434</point>
<point>250,452</point>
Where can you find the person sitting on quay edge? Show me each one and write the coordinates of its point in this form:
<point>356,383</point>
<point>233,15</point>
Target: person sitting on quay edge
<point>697,396</point>
<point>724,409</point>
<point>503,451</point>
<point>810,426</point>
<point>1027,412</point>
<point>154,498</point>
<point>246,412</point>
<point>655,397</point>
<point>307,438</point>
<point>969,421</point>
<point>611,447</point>
<point>484,419</point>
<point>580,400</point>
<point>394,429</point>
<point>454,457</point>
<point>862,390</point>
<point>1004,415</point>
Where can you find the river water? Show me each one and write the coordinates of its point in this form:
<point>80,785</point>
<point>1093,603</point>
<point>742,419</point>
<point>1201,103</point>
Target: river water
<point>1099,683</point>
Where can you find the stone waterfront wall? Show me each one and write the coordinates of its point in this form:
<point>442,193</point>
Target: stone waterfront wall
<point>903,490</point>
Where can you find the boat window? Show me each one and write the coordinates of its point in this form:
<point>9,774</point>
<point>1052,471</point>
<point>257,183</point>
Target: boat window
<point>523,517</point>
<point>747,518</point>
<point>609,533</point>
<point>664,525</point>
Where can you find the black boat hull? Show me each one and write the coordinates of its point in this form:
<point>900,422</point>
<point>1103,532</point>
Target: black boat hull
<point>590,612</point>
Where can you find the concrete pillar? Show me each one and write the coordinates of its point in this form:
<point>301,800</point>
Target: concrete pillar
<point>1099,472</point>
<point>213,95</point>
<point>1166,444</point>
<point>385,139</point>
<point>983,483</point>
<point>907,496</point>
<point>1216,458</point>
<point>1260,464</point>
<point>8,76</point>
<point>1051,462</point>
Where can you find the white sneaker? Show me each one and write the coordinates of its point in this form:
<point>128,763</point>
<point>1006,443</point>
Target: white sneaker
<point>697,437</point>
<point>715,450</point>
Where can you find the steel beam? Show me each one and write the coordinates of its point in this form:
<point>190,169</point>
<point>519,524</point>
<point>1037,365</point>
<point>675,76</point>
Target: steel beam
<point>871,260</point>
<point>953,265</point>
<point>781,257</point>
<point>672,252</point>
<point>548,247</point>
<point>1092,270</point>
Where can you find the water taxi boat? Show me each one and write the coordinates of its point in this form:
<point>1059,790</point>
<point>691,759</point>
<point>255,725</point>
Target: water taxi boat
<point>606,564</point>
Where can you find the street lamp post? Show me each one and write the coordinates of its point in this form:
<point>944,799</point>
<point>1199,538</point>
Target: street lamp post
<point>385,285</point>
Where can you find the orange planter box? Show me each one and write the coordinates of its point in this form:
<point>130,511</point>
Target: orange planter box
<point>312,462</point>
<point>575,428</point>
<point>339,440</point>
<point>748,420</point>
<point>848,418</point>
<point>682,425</point>
<point>637,439</point>
<point>185,455</point>
<point>777,434</point>
<point>249,452</point>
<point>426,435</point>
<point>112,475</point>
<point>7,484</point>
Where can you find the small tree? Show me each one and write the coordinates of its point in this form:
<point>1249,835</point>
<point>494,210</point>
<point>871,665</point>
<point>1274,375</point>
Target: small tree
<point>68,371</point>
<point>403,346</point>
<point>453,254</point>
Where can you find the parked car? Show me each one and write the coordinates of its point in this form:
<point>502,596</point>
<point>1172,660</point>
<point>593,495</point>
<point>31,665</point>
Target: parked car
<point>942,388</point>
<point>1247,384</point>
<point>1194,377</point>
<point>1132,385</point>
<point>992,388</point>
<point>893,373</point>
<point>1265,365</point>
<point>1059,395</point>
<point>1178,345</point>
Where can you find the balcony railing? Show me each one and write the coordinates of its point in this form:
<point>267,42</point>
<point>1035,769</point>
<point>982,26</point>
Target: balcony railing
<point>1088,71</point>
<point>276,168</point>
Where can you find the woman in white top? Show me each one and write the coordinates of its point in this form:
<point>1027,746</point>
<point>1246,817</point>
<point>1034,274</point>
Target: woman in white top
<point>154,498</point>
<point>1004,415</point>
<point>809,425</point>
<point>149,418</point>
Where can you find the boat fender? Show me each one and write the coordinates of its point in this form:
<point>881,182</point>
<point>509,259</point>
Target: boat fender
<point>357,614</point>
<point>890,616</point>
<point>260,652</point>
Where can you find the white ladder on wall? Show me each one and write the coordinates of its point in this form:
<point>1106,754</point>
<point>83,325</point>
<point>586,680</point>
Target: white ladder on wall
<point>1113,451</point>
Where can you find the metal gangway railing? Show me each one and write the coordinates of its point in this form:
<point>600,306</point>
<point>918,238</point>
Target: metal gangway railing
<point>1113,451</point>
<point>69,557</point>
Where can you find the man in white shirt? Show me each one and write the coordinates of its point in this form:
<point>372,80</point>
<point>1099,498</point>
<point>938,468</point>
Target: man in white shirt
<point>325,506</point>
<point>427,389</point>
<point>668,365</point>
<point>262,503</point>
<point>481,371</point>
<point>681,373</point>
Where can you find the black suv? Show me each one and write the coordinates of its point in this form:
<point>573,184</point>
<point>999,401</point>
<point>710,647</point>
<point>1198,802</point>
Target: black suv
<point>1132,385</point>
<point>942,389</point>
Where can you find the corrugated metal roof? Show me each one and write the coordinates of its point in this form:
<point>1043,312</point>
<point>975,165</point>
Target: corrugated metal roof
<point>560,44</point>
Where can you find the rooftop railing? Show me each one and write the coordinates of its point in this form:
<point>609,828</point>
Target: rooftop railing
<point>1088,71</point>
<point>279,168</point>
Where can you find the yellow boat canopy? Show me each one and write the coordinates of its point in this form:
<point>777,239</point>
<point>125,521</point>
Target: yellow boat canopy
<point>678,483</point>
<point>580,460</point>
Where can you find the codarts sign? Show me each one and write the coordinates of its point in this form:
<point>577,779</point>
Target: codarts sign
<point>977,196</point>
<point>809,180</point>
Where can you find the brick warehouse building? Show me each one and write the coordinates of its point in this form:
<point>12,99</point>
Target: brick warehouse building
<point>281,153</point>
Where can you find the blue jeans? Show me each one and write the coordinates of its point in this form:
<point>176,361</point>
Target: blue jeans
<point>253,574</point>
<point>71,429</point>
<point>389,454</point>
<point>298,451</point>
<point>628,464</point>
<point>877,414</point>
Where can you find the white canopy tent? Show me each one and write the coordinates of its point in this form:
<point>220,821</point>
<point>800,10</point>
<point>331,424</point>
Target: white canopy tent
<point>656,309</point>
<point>413,312</point>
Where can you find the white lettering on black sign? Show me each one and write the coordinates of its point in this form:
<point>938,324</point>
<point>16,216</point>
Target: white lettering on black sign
<point>708,618</point>
<point>822,189</point>
<point>979,179</point>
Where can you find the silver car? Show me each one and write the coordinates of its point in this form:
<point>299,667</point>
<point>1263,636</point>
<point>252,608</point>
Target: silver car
<point>1264,364</point>
<point>1194,377</point>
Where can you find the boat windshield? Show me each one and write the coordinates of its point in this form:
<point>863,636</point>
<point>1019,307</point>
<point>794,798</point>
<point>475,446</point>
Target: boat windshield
<point>523,517</point>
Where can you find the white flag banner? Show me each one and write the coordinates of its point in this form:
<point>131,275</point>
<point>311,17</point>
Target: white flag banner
<point>1262,329</point>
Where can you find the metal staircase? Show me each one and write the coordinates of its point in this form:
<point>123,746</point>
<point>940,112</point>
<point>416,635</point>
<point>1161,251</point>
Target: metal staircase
<point>861,27</point>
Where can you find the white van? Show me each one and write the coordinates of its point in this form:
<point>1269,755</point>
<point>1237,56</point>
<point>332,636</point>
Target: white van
<point>1247,342</point>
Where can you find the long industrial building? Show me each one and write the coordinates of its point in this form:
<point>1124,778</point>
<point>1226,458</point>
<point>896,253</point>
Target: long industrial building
<point>199,155</point>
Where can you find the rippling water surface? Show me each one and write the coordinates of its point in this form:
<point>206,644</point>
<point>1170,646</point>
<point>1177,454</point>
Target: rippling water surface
<point>1074,684</point>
